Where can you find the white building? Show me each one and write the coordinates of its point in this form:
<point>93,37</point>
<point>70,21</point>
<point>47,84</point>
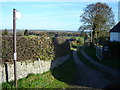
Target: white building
<point>115,33</point>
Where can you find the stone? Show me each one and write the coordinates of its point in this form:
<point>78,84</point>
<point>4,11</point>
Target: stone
<point>36,64</point>
<point>23,69</point>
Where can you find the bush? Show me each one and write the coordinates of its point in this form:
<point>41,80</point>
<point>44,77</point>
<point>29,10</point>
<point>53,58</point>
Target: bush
<point>26,32</point>
<point>115,48</point>
<point>61,46</point>
<point>103,40</point>
<point>91,44</point>
<point>5,32</point>
<point>33,48</point>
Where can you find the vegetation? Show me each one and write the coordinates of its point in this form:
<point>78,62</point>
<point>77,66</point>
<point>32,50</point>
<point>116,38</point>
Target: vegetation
<point>75,41</point>
<point>5,32</point>
<point>115,48</point>
<point>60,77</point>
<point>61,46</point>
<point>67,72</point>
<point>111,62</point>
<point>45,80</point>
<point>19,33</point>
<point>32,48</point>
<point>98,18</point>
<point>26,32</point>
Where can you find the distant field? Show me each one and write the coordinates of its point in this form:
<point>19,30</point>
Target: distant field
<point>50,32</point>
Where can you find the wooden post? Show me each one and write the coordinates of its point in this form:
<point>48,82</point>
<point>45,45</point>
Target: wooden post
<point>14,45</point>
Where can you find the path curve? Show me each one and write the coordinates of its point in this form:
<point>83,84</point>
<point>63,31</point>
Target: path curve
<point>108,70</point>
<point>89,77</point>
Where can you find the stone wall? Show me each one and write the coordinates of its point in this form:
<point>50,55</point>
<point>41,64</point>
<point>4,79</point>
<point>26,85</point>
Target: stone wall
<point>25,68</point>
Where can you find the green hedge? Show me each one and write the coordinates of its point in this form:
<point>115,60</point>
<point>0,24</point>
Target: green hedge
<point>32,48</point>
<point>115,49</point>
<point>61,46</point>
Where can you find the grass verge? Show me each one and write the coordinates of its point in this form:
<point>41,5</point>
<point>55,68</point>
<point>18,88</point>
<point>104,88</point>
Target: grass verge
<point>66,72</point>
<point>60,77</point>
<point>111,62</point>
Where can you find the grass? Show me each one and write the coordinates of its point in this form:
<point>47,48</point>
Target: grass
<point>76,37</point>
<point>30,36</point>
<point>91,51</point>
<point>66,72</point>
<point>111,62</point>
<point>33,36</point>
<point>85,61</point>
<point>60,77</point>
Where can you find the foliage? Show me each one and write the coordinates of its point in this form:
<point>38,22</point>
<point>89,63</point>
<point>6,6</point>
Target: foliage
<point>32,48</point>
<point>53,33</point>
<point>19,33</point>
<point>97,17</point>
<point>115,48</point>
<point>26,33</point>
<point>61,46</point>
<point>5,32</point>
<point>73,37</point>
<point>76,41</point>
<point>103,40</point>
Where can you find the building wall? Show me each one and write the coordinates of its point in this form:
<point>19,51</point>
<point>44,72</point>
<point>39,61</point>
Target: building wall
<point>25,68</point>
<point>118,11</point>
<point>115,36</point>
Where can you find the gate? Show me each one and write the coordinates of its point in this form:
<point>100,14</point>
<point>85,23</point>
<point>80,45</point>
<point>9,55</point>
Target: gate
<point>99,52</point>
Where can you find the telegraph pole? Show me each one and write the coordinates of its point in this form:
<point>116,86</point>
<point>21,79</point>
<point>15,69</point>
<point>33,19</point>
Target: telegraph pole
<point>14,45</point>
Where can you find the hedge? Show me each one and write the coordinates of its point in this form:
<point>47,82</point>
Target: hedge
<point>114,48</point>
<point>33,48</point>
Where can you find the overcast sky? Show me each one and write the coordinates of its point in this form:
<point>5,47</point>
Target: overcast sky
<point>47,15</point>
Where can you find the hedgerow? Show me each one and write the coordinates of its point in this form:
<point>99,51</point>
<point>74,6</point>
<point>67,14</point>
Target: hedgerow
<point>43,48</point>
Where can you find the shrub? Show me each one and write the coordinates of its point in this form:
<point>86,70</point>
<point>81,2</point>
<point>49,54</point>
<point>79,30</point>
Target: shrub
<point>61,46</point>
<point>33,48</point>
<point>115,48</point>
<point>5,32</point>
<point>26,32</point>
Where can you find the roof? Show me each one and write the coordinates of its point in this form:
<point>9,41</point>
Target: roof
<point>116,28</point>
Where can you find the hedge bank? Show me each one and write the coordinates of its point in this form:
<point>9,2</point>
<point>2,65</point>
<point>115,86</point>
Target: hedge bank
<point>43,48</point>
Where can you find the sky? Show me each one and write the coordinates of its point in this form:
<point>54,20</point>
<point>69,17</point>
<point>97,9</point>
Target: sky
<point>46,15</point>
